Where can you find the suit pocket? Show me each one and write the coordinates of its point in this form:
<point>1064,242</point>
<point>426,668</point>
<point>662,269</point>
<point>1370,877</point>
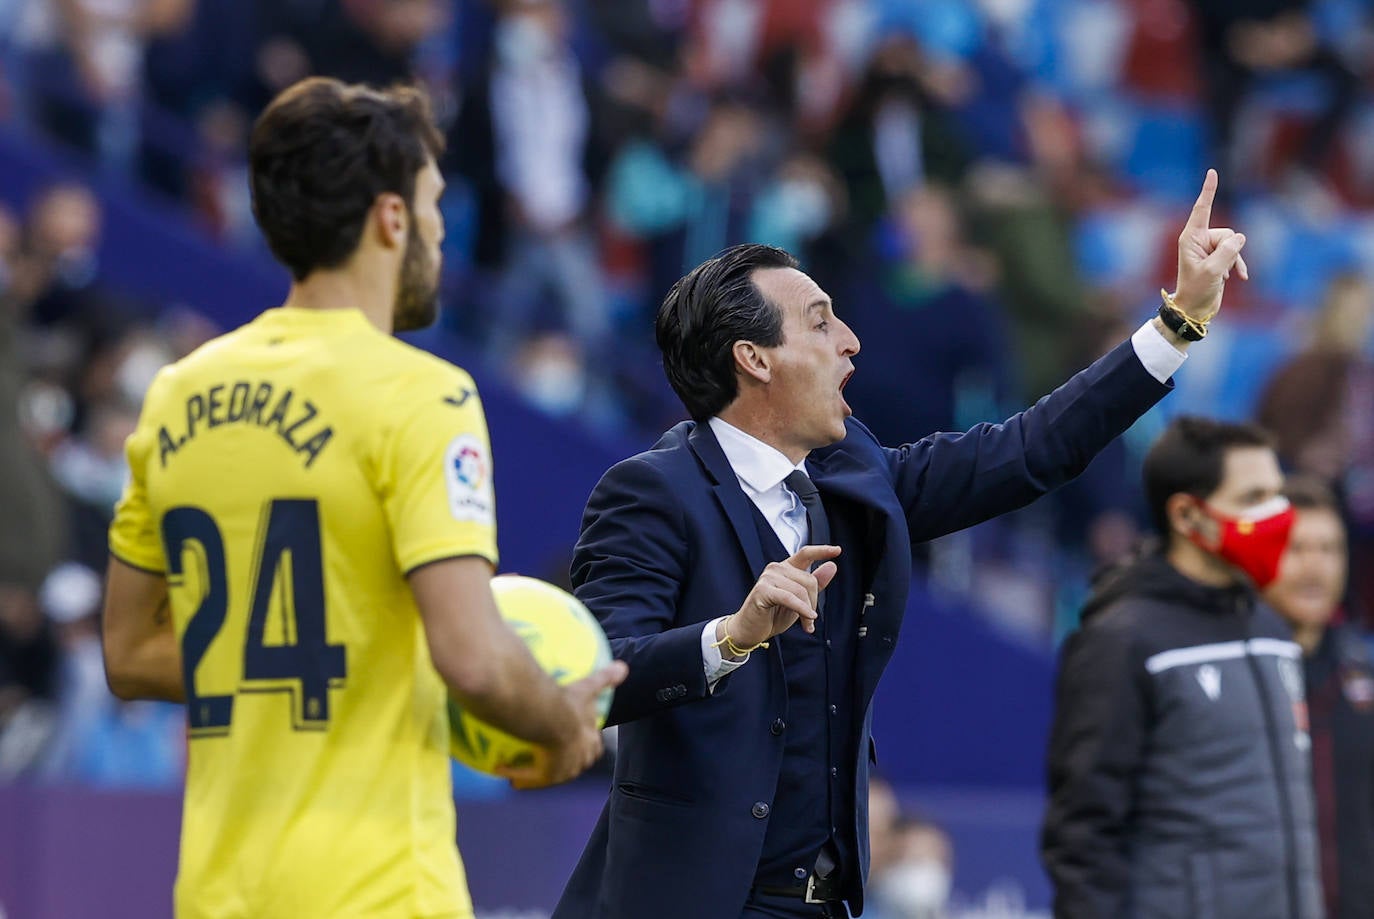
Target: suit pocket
<point>633,791</point>
<point>1202,886</point>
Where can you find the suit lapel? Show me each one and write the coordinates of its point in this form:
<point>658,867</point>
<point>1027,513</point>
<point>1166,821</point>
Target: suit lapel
<point>732,498</point>
<point>837,473</point>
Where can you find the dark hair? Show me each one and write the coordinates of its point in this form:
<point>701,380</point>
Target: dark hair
<point>1309,493</point>
<point>319,156</point>
<point>1190,458</point>
<point>715,305</point>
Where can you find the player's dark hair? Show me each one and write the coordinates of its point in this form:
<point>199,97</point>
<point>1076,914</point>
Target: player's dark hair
<point>1190,458</point>
<point>715,305</point>
<point>319,156</point>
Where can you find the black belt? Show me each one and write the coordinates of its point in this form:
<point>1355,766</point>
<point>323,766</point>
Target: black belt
<point>817,890</point>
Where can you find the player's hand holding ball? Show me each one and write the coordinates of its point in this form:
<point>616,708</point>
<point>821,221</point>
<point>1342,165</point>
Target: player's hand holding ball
<point>552,766</point>
<point>569,645</point>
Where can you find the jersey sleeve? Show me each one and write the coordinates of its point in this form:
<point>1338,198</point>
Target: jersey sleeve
<point>436,475</point>
<point>134,537</point>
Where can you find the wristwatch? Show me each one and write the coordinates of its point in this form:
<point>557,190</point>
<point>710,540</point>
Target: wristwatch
<point>1179,322</point>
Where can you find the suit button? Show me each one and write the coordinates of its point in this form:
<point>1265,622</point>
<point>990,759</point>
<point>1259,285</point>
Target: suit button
<point>834,710</point>
<point>799,873</point>
<point>778,727</point>
<point>834,772</point>
<point>759,810</point>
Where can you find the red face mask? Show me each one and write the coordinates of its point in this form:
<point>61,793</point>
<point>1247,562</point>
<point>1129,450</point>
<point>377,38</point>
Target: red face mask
<point>1255,542</point>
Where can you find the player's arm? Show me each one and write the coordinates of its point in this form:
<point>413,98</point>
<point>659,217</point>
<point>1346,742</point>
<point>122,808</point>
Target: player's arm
<point>142,657</point>
<point>486,666</point>
<point>435,474</point>
<point>492,673</point>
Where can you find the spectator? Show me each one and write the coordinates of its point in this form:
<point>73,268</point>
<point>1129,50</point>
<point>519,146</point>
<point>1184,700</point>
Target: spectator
<point>803,209</point>
<point>884,814</point>
<point>28,678</point>
<point>1179,776</point>
<point>85,64</point>
<point>1315,403</point>
<point>101,741</point>
<point>1340,697</point>
<point>1243,41</point>
<point>913,380</point>
<point>33,533</point>
<point>916,885</point>
<point>690,211</point>
<point>91,470</point>
<point>57,266</point>
<point>1320,407</point>
<point>526,138</point>
<point>897,135</point>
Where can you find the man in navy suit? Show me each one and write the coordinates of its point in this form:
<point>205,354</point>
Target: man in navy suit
<point>742,772</point>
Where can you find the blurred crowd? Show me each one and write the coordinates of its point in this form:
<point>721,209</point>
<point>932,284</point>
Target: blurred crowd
<point>989,189</point>
<point>75,360</point>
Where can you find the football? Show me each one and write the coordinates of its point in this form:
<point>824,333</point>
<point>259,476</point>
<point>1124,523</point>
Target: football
<point>564,638</point>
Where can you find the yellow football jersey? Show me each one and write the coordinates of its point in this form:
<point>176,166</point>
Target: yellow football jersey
<point>286,477</point>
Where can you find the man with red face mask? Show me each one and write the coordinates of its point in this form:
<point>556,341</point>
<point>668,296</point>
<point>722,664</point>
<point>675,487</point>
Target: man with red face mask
<point>1179,771</point>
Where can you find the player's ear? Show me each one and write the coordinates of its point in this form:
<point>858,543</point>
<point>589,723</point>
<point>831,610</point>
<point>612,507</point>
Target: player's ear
<point>390,219</point>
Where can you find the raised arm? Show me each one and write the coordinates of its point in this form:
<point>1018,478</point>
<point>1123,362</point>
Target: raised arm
<point>950,481</point>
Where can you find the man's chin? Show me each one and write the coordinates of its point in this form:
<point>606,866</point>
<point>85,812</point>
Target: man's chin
<point>417,318</point>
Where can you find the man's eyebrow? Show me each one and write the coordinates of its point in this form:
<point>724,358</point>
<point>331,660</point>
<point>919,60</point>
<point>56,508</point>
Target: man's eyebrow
<point>818,304</point>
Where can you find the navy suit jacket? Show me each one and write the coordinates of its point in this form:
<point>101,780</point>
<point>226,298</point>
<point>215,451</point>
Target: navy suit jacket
<point>669,542</point>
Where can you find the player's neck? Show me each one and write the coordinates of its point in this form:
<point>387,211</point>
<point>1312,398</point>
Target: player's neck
<point>1199,565</point>
<point>348,287</point>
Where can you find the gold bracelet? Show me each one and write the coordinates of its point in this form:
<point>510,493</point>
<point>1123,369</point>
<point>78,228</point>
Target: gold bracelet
<point>1198,325</point>
<point>734,649</point>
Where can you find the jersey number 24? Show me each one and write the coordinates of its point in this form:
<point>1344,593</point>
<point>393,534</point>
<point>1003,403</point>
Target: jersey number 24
<point>304,664</point>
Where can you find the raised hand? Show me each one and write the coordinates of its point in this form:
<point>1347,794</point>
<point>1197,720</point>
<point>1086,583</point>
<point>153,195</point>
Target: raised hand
<point>785,592</point>
<point>1206,257</point>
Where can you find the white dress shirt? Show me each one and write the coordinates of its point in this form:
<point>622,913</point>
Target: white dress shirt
<point>761,470</point>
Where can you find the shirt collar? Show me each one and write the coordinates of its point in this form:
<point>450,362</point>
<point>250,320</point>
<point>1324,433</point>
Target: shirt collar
<point>758,465</point>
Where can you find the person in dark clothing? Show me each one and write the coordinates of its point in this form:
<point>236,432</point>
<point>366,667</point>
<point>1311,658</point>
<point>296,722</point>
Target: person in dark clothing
<point>29,670</point>
<point>1178,761</point>
<point>1340,697</point>
<point>1245,40</point>
<point>741,775</point>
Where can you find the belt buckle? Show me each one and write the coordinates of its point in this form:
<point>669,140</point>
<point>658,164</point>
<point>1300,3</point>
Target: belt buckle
<point>811,890</point>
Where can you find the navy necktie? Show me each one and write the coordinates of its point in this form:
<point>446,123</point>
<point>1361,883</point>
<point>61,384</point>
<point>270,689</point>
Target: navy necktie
<point>819,525</point>
<point>801,484</point>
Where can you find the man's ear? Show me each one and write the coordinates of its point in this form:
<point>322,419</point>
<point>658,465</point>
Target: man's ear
<point>753,361</point>
<point>1186,517</point>
<point>390,219</point>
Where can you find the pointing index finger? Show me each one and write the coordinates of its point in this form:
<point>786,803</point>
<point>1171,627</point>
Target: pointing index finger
<point>807,556</point>
<point>1202,208</point>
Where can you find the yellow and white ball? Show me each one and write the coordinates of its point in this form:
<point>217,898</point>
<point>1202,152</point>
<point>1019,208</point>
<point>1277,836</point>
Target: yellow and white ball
<point>564,638</point>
